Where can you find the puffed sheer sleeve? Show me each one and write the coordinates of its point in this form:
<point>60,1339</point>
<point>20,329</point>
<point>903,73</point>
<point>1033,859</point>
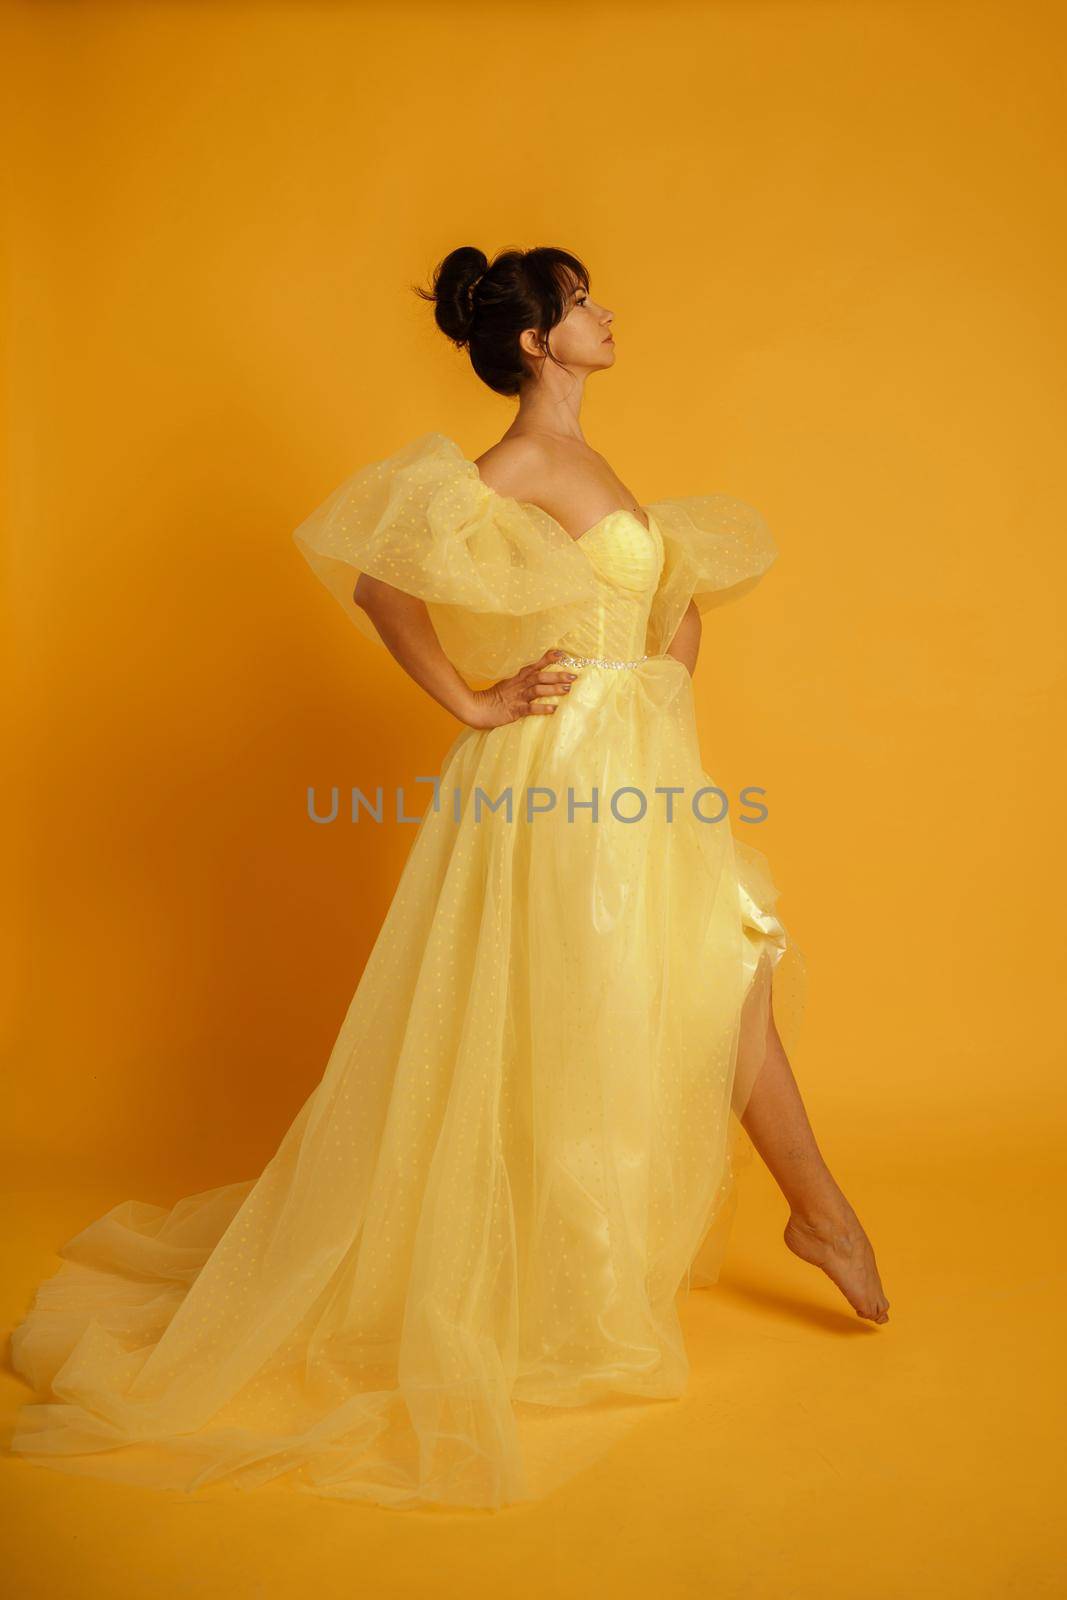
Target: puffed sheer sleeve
<point>501,581</point>
<point>716,548</point>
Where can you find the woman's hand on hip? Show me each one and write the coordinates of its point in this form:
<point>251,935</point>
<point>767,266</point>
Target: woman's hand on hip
<point>513,698</point>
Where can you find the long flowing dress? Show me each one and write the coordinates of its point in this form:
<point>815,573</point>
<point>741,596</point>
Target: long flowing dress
<point>526,1137</point>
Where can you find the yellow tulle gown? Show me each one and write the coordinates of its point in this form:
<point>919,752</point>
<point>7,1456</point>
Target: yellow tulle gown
<point>466,1255</point>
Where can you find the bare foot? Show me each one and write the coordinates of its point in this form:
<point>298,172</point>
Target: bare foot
<point>836,1242</point>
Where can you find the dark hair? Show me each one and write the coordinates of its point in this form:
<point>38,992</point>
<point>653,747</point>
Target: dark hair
<point>484,306</point>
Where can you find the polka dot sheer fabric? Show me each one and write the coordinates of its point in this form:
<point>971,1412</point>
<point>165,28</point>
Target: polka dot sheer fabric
<point>469,1246</point>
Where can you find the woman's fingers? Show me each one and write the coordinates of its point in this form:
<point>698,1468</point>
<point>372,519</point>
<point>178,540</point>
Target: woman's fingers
<point>553,682</point>
<point>549,658</point>
<point>530,694</point>
<point>532,682</point>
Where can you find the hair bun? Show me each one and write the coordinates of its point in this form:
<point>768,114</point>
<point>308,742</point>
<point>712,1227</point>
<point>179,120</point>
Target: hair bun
<point>454,284</point>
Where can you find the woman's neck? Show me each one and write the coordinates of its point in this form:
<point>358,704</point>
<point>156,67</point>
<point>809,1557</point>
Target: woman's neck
<point>553,416</point>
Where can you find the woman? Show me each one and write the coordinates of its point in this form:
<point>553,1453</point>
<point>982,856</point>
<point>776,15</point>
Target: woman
<point>525,1137</point>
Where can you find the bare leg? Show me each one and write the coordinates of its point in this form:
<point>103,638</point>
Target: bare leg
<point>822,1226</point>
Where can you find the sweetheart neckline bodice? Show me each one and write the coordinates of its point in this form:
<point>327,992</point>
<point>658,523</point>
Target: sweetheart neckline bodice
<point>618,511</point>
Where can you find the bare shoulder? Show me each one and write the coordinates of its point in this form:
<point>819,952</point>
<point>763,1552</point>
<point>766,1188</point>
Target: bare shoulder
<point>515,467</point>
<point>570,482</point>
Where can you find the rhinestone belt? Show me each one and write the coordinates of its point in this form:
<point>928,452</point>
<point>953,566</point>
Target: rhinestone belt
<point>595,661</point>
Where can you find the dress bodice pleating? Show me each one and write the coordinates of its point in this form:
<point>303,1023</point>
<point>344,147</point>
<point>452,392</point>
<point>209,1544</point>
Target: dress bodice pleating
<point>626,559</point>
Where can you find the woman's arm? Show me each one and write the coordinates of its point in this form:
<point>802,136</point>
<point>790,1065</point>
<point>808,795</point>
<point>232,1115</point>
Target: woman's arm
<point>403,622</point>
<point>685,646</point>
<point>408,634</point>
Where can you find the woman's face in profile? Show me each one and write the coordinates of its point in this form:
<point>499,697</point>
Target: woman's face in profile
<point>582,340</point>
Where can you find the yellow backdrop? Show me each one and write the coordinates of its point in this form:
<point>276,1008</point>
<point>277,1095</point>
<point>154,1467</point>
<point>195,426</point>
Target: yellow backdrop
<point>833,243</point>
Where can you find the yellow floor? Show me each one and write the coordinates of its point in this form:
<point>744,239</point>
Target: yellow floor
<point>813,1456</point>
